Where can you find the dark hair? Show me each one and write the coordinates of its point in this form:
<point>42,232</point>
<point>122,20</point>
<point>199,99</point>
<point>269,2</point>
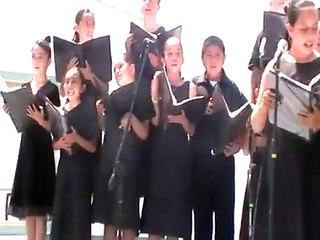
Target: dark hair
<point>293,11</point>
<point>45,45</point>
<point>212,40</point>
<point>76,37</point>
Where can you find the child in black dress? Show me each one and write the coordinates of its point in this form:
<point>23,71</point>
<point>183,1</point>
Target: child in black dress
<point>256,65</point>
<point>167,206</point>
<point>107,210</point>
<point>96,89</point>
<point>34,181</point>
<point>72,204</point>
<point>84,31</point>
<point>296,168</point>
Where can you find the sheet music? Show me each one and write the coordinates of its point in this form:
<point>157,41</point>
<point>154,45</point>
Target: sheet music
<point>293,98</point>
<point>237,111</point>
<point>58,120</point>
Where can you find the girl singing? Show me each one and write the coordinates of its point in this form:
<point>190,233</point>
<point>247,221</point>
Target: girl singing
<point>167,206</point>
<point>256,65</point>
<point>72,204</point>
<point>107,209</point>
<point>84,31</point>
<point>295,202</point>
<point>149,10</point>
<point>34,181</point>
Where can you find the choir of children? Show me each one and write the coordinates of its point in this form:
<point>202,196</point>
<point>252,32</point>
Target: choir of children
<point>148,124</point>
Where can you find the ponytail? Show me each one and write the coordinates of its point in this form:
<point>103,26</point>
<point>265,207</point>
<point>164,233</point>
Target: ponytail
<point>76,37</point>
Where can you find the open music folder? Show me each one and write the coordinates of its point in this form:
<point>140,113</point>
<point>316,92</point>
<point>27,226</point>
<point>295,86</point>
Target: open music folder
<point>143,38</point>
<point>140,35</point>
<point>97,52</point>
<point>18,101</point>
<point>233,124</point>
<point>295,96</point>
<point>193,107</point>
<point>58,120</point>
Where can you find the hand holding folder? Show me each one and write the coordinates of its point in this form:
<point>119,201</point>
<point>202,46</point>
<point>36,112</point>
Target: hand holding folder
<point>193,107</point>
<point>95,53</point>
<point>232,124</point>
<point>17,102</point>
<point>295,97</point>
<point>58,120</point>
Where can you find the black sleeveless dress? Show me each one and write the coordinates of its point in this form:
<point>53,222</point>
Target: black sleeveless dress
<point>148,72</point>
<point>72,205</point>
<point>105,204</point>
<point>296,177</point>
<point>34,181</point>
<point>167,206</point>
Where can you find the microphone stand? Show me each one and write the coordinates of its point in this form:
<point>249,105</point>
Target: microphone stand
<point>251,206</point>
<point>253,198</point>
<point>117,178</point>
<point>273,149</point>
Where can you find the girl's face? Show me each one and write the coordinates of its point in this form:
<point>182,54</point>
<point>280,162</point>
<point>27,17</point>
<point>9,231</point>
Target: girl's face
<point>124,73</point>
<point>150,7</point>
<point>85,28</point>
<point>213,60</point>
<point>173,55</point>
<point>73,87</point>
<point>40,60</point>
<point>305,32</point>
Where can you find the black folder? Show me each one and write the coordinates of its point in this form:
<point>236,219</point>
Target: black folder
<point>193,107</point>
<point>96,51</point>
<point>18,101</point>
<point>232,124</point>
<point>58,120</point>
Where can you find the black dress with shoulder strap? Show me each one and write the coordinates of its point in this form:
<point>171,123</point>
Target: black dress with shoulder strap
<point>34,181</point>
<point>71,218</point>
<point>167,209</point>
<point>105,203</point>
<point>296,193</point>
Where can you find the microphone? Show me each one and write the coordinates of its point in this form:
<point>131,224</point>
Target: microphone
<point>281,48</point>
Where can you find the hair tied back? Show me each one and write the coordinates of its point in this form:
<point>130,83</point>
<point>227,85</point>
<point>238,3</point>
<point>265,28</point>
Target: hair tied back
<point>48,39</point>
